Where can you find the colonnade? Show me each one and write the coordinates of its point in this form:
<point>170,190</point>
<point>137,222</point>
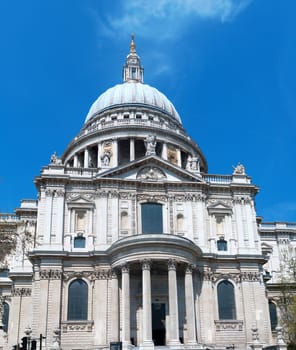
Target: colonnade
<point>86,160</point>
<point>172,328</point>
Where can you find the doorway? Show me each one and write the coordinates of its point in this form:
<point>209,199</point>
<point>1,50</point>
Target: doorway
<point>158,323</point>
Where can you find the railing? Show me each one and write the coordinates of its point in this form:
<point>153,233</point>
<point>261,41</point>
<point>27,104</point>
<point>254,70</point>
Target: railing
<point>277,225</point>
<point>218,179</point>
<point>8,217</point>
<point>137,122</point>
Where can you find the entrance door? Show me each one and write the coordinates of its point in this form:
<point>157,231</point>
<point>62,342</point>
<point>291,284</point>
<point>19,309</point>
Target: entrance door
<point>158,323</point>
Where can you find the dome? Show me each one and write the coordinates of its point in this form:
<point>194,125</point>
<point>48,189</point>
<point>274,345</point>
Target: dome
<point>133,92</point>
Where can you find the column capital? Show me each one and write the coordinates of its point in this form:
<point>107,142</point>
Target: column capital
<point>114,273</point>
<point>125,268</point>
<point>172,264</point>
<point>146,264</point>
<point>189,268</point>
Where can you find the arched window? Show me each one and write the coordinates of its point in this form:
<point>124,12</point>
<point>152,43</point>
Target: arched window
<point>5,317</point>
<point>124,220</point>
<point>79,242</point>
<point>151,218</point>
<point>226,301</point>
<point>273,315</point>
<point>180,223</point>
<point>77,300</point>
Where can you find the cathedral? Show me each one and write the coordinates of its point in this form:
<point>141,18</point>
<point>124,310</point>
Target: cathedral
<point>133,244</point>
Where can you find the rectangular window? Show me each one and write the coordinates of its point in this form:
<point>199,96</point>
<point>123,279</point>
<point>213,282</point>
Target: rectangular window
<point>152,218</point>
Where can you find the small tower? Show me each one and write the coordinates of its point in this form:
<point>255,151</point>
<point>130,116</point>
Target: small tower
<point>132,69</point>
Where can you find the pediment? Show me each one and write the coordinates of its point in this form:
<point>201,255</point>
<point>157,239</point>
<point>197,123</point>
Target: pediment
<point>219,207</point>
<point>150,169</point>
<point>79,200</point>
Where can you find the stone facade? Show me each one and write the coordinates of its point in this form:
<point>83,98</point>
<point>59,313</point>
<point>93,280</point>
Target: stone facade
<point>148,279</point>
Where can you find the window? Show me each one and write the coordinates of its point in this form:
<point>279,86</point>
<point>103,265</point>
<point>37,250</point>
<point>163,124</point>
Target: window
<point>273,315</point>
<point>5,317</point>
<point>77,300</point>
<point>226,302</point>
<point>4,273</point>
<point>151,218</point>
<point>222,244</point>
<point>180,223</point>
<point>79,242</point>
<point>133,73</point>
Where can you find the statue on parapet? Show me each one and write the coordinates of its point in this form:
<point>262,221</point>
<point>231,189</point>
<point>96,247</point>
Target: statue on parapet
<point>54,159</point>
<point>239,169</point>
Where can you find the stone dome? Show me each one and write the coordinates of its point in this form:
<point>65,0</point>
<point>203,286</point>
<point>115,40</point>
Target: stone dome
<point>133,93</point>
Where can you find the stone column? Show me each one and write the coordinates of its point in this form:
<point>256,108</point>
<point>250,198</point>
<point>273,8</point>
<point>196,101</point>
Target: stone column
<point>132,149</point>
<point>147,342</point>
<point>114,307</point>
<point>179,157</point>
<point>189,306</point>
<point>164,153</point>
<point>126,332</point>
<point>75,164</point>
<point>99,162</point>
<point>115,153</point>
<point>85,164</point>
<point>173,304</point>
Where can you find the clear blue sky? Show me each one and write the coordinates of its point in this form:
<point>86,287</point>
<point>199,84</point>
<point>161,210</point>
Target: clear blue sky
<point>227,65</point>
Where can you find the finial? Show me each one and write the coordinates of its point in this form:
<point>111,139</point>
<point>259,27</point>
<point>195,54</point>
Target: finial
<point>133,45</point>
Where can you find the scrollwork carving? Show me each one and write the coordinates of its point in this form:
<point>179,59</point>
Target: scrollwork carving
<point>24,292</point>
<point>50,274</point>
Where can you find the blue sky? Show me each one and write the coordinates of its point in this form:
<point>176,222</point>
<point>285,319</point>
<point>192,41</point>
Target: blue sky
<point>227,65</point>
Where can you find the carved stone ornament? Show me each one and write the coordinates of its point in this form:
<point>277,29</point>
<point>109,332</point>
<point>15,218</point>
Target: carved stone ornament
<point>242,200</point>
<point>54,192</point>
<point>228,325</point>
<point>77,326</point>
<point>239,169</point>
<point>50,274</point>
<point>125,268</point>
<point>54,159</point>
<point>151,174</point>
<point>24,292</point>
<point>67,275</point>
<point>172,264</point>
<point>251,276</point>
<point>85,196</point>
<point>152,198</point>
<point>146,264</point>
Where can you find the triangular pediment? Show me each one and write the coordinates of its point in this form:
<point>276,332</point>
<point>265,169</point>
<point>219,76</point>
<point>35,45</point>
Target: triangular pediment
<point>80,200</point>
<point>150,169</point>
<point>219,207</point>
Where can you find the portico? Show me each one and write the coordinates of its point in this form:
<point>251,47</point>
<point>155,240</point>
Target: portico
<point>154,309</point>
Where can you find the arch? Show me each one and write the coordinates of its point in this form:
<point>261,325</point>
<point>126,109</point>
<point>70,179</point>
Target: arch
<point>226,300</point>
<point>180,223</point>
<point>152,218</point>
<point>5,317</point>
<point>77,300</point>
<point>273,315</point>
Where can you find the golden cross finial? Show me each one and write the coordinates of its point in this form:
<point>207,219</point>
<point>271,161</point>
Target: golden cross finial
<point>133,45</point>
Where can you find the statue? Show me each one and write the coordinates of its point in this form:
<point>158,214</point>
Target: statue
<point>193,163</point>
<point>106,159</point>
<point>54,159</point>
<point>150,144</point>
<point>239,169</point>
